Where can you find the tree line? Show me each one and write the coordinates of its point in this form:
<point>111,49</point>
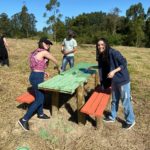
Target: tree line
<point>21,25</point>
<point>130,30</point>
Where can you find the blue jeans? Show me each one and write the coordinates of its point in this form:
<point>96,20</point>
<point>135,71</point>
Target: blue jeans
<point>66,60</point>
<point>122,92</point>
<point>36,78</point>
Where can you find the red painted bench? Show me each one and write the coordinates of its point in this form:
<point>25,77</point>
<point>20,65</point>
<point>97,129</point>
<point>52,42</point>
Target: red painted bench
<point>96,104</point>
<point>27,97</point>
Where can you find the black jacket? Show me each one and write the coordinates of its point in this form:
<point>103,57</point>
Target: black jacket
<point>115,60</point>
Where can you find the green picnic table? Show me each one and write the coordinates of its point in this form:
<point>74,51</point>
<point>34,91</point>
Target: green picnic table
<point>69,82</point>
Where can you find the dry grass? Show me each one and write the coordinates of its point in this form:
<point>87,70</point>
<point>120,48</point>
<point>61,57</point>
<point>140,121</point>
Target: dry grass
<point>58,132</point>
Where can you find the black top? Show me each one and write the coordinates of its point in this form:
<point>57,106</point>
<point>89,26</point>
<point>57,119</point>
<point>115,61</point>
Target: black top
<point>115,60</point>
<point>3,50</point>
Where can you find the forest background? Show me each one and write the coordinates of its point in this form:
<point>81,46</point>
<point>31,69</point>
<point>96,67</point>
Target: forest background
<point>133,29</point>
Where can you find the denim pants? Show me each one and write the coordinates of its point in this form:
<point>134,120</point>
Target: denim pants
<point>66,60</point>
<point>36,78</point>
<point>122,92</point>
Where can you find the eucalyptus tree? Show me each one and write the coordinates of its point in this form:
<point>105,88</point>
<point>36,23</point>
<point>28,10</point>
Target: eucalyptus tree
<point>27,21</point>
<point>23,24</point>
<point>136,16</point>
<point>112,20</point>
<point>15,25</point>
<point>5,24</point>
<point>53,8</point>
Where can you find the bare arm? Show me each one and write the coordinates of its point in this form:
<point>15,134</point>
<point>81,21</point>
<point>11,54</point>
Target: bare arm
<point>49,56</point>
<point>5,42</point>
<point>69,52</point>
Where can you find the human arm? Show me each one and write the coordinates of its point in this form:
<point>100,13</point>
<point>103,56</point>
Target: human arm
<point>112,73</point>
<point>46,54</point>
<point>5,42</point>
<point>46,74</point>
<point>62,49</point>
<point>120,63</point>
<point>65,52</point>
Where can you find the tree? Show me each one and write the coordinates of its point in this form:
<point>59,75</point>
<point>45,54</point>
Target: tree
<point>15,25</point>
<point>53,6</point>
<point>5,24</point>
<point>27,21</point>
<point>147,28</point>
<point>112,20</point>
<point>23,24</point>
<point>61,30</point>
<point>136,16</point>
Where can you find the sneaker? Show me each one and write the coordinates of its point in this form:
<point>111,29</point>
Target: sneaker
<point>107,119</point>
<point>44,116</point>
<point>24,124</point>
<point>128,126</point>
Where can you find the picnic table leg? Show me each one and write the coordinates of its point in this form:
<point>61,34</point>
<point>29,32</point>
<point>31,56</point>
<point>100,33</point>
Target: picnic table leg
<point>99,120</point>
<point>55,103</point>
<point>99,123</point>
<point>96,79</point>
<point>80,103</point>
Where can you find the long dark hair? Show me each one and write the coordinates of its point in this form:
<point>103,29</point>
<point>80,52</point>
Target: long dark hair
<point>40,45</point>
<point>105,55</point>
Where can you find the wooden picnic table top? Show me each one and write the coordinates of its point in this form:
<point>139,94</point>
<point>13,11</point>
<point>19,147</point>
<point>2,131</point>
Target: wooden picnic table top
<point>70,80</point>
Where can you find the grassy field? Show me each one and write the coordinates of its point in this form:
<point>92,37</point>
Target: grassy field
<point>62,132</point>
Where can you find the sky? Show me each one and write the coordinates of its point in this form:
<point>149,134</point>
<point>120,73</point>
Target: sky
<point>68,8</point>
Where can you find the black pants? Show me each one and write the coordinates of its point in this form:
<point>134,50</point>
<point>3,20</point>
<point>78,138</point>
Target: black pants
<point>4,62</point>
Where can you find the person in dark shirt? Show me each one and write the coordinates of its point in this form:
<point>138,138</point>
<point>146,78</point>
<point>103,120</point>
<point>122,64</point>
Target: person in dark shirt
<point>113,72</point>
<point>4,60</point>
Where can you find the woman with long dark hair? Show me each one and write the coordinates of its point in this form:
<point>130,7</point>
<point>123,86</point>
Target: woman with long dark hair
<point>113,72</point>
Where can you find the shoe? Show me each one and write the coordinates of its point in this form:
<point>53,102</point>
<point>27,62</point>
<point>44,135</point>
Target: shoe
<point>44,116</point>
<point>24,124</point>
<point>128,126</point>
<point>107,119</point>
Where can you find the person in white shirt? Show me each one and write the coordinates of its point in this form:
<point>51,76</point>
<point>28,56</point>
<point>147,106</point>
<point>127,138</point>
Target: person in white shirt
<point>68,49</point>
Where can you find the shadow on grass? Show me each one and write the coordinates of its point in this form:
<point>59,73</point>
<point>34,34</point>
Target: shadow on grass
<point>64,101</point>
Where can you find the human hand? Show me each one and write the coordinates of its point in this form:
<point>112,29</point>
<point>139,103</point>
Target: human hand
<point>46,75</point>
<point>111,74</point>
<point>58,68</point>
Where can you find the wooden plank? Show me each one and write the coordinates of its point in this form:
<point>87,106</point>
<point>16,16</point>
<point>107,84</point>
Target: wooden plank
<point>92,104</point>
<point>70,80</point>
<point>96,102</point>
<point>27,97</point>
<point>55,103</point>
<point>102,105</point>
<point>96,79</point>
<point>99,123</point>
<point>80,103</point>
<point>88,104</point>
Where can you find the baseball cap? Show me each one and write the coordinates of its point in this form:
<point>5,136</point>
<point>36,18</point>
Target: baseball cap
<point>46,41</point>
<point>70,33</point>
